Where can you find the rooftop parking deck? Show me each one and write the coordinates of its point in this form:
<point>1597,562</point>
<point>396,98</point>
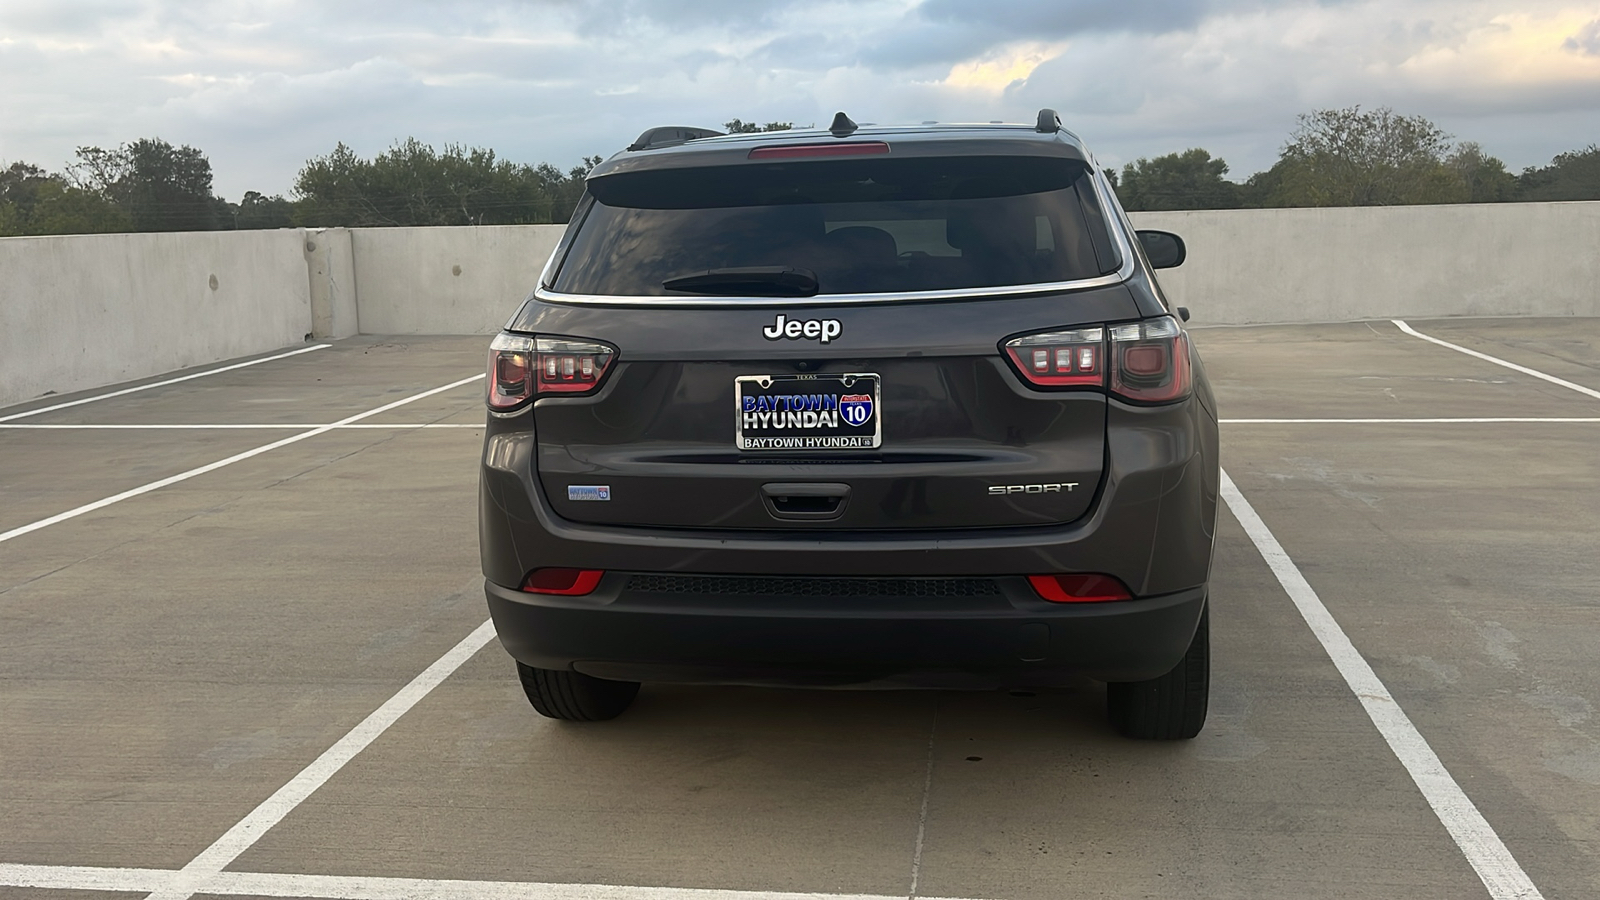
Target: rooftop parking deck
<point>243,652</point>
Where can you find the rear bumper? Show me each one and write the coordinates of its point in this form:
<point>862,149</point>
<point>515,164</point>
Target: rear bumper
<point>1012,639</point>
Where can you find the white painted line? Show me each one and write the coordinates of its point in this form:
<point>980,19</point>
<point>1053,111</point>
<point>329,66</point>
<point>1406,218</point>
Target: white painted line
<point>1495,865</point>
<point>1401,324</point>
<point>195,876</point>
<point>1483,420</point>
<point>211,467</point>
<point>291,426</point>
<point>83,878</point>
<point>344,887</point>
<point>145,387</point>
<point>922,813</point>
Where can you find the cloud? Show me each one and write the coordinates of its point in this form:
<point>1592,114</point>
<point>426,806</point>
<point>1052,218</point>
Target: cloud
<point>261,85</point>
<point>1003,68</point>
<point>1586,41</point>
<point>1044,19</point>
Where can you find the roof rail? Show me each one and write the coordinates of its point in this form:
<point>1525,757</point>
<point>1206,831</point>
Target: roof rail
<point>1049,122</point>
<point>669,135</point>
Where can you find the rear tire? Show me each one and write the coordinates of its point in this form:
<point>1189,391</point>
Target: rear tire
<point>1173,706</point>
<point>574,696</point>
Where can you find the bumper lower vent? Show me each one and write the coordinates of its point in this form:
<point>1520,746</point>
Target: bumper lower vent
<point>750,585</point>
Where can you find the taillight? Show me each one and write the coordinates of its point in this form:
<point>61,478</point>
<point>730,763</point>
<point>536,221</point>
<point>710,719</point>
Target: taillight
<point>1059,358</point>
<point>562,582</point>
<point>1147,361</point>
<point>1080,588</point>
<point>522,366</point>
<point>1150,360</point>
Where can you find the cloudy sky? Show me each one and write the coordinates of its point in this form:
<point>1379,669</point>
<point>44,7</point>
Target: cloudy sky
<point>261,85</point>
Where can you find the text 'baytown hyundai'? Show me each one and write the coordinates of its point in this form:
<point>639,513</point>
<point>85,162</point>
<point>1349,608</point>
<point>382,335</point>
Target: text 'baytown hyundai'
<point>864,406</point>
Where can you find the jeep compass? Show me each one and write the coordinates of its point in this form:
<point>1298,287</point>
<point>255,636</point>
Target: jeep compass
<point>856,406</point>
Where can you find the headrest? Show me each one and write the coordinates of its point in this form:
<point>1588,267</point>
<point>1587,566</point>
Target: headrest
<point>974,225</point>
<point>863,244</point>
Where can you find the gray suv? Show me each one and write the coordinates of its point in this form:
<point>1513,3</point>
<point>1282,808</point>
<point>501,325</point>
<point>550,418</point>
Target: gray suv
<point>864,406</point>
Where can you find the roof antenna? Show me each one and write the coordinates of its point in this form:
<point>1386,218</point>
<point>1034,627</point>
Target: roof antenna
<point>1049,122</point>
<point>842,126</point>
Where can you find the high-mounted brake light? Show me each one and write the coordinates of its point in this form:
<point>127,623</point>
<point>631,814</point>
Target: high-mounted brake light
<point>1086,588</point>
<point>522,366</point>
<point>562,582</point>
<point>1147,362</point>
<point>794,151</point>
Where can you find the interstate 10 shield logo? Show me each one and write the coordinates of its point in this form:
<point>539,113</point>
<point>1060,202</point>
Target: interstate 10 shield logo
<point>856,409</point>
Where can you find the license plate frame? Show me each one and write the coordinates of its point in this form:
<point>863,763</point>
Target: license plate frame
<point>846,390</point>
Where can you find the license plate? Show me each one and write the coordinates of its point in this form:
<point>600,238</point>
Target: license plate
<point>808,412</point>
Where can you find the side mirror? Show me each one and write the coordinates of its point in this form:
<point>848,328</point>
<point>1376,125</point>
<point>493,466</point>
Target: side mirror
<point>1164,249</point>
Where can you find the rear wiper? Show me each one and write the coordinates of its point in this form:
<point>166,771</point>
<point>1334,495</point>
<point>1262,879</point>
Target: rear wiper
<point>760,281</point>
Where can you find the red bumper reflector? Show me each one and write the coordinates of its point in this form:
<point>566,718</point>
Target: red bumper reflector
<point>566,582</point>
<point>1079,588</point>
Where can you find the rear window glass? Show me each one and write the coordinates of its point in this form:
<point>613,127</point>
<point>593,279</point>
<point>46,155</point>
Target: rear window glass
<point>861,226</point>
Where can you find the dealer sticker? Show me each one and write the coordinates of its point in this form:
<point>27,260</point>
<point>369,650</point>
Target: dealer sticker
<point>588,492</point>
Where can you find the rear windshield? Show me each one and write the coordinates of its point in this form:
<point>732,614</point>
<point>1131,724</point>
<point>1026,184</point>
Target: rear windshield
<point>861,226</point>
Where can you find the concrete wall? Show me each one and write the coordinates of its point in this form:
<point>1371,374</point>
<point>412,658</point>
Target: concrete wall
<point>331,271</point>
<point>82,311</point>
<point>1335,265</point>
<point>446,280</point>
<point>1244,266</point>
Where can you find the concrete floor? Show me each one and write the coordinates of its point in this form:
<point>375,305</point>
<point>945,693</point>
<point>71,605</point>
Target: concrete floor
<point>169,661</point>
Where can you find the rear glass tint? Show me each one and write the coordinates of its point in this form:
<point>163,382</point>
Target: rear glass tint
<point>862,226</point>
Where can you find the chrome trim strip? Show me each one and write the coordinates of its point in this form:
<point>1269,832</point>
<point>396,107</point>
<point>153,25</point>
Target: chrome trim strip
<point>1108,211</point>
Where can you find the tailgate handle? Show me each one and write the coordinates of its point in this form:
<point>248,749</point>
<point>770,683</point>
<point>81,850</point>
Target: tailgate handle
<point>806,500</point>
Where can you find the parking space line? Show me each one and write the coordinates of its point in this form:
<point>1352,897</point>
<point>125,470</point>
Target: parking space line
<point>1484,850</point>
<point>83,878</point>
<point>145,387</point>
<point>264,426</point>
<point>212,467</point>
<point>1401,324</point>
<point>1480,420</point>
<point>243,835</point>
<point>345,887</point>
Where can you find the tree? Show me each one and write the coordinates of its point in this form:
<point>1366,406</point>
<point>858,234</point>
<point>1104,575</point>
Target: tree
<point>411,183</point>
<point>739,127</point>
<point>1347,157</point>
<point>1570,176</point>
<point>565,190</point>
<point>62,208</point>
<point>19,193</point>
<point>12,221</point>
<point>256,210</point>
<point>20,183</point>
<point>160,187</point>
<point>1188,180</point>
<point>1483,177</point>
<point>33,201</point>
